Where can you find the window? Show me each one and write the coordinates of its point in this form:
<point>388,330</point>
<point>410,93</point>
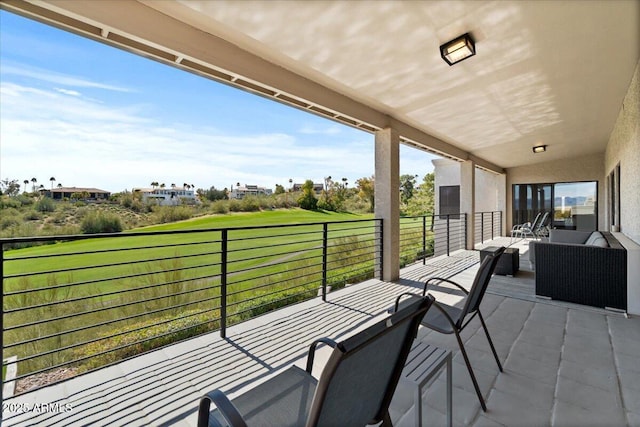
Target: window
<point>613,181</point>
<point>450,200</point>
<point>574,205</point>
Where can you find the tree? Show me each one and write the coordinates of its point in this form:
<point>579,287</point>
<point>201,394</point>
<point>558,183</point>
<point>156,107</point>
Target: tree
<point>33,187</point>
<point>212,194</point>
<point>407,184</point>
<point>154,184</point>
<point>52,179</point>
<point>307,199</point>
<point>162,185</point>
<point>422,201</point>
<point>59,185</point>
<point>26,182</point>
<point>279,189</point>
<point>10,188</point>
<point>366,190</point>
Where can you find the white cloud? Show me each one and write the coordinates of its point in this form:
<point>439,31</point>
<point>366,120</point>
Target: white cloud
<point>9,69</point>
<point>68,92</point>
<point>85,143</point>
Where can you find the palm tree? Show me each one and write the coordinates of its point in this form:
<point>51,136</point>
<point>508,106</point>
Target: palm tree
<point>33,187</point>
<point>154,184</point>
<point>52,179</point>
<point>162,185</point>
<point>59,185</point>
<point>26,182</point>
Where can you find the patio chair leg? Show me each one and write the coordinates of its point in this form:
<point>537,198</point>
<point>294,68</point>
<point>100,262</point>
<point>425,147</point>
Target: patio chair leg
<point>473,377</point>
<point>493,349</point>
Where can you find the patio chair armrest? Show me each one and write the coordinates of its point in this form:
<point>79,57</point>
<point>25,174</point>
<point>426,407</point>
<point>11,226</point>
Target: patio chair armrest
<point>225,407</point>
<point>441,279</point>
<point>397,303</point>
<point>312,350</point>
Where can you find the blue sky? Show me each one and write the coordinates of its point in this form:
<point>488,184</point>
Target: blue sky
<point>94,116</point>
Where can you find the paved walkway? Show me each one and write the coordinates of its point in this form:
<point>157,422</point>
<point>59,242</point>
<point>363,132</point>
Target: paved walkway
<point>564,364</point>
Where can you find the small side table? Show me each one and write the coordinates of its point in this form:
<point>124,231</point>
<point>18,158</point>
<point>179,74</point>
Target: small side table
<point>423,363</point>
<point>509,262</point>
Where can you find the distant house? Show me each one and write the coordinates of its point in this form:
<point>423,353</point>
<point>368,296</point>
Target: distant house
<point>248,190</point>
<point>63,193</point>
<point>317,188</point>
<point>166,196</point>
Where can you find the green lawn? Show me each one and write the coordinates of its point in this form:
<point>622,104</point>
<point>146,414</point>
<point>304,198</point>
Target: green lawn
<point>156,278</point>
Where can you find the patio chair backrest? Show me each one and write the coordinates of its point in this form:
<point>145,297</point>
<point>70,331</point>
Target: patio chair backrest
<point>358,382</point>
<point>536,220</point>
<point>543,222</point>
<point>479,286</point>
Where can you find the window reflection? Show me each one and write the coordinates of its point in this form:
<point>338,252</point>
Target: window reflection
<point>573,205</point>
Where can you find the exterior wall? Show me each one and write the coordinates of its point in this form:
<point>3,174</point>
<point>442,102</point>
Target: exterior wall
<point>586,168</point>
<point>624,149</point>
<point>489,193</point>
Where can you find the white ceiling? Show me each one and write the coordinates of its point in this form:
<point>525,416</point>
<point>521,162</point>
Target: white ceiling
<point>546,72</point>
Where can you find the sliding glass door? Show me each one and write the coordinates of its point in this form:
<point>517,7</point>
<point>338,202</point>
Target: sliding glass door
<point>571,205</point>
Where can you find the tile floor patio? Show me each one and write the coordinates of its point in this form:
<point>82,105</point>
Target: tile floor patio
<point>564,364</point>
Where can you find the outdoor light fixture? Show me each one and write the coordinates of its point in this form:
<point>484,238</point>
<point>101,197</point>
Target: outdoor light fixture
<point>540,149</point>
<point>458,49</point>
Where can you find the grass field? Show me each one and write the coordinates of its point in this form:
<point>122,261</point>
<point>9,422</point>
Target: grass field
<point>112,294</point>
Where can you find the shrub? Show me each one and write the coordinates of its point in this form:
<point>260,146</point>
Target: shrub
<point>45,205</point>
<point>101,222</point>
<point>166,214</point>
<point>235,205</point>
<point>32,216</point>
<point>250,204</point>
<point>220,207</point>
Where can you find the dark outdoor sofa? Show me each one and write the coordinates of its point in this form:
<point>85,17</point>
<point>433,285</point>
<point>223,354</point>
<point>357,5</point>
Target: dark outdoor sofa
<point>587,268</point>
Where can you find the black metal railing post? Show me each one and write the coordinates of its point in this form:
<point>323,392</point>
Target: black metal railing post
<point>324,260</point>
<point>223,284</point>
<point>424,240</point>
<point>381,251</point>
<point>464,224</point>
<point>448,235</point>
<point>492,224</point>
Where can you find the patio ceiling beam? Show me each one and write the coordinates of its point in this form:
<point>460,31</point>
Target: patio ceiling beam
<point>136,27</point>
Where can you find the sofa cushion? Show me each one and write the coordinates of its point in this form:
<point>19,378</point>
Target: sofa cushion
<point>597,239</point>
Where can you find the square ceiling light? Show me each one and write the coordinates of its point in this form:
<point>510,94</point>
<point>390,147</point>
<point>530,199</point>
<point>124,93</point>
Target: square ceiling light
<point>458,49</point>
<point>539,149</point>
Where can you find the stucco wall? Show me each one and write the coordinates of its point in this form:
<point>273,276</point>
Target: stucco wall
<point>624,149</point>
<point>586,168</point>
<point>489,187</point>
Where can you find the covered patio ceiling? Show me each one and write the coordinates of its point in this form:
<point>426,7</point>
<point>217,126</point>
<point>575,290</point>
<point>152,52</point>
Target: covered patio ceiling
<point>546,72</point>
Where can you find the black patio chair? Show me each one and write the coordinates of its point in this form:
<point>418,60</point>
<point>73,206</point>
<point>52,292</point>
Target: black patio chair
<point>448,319</point>
<point>354,389</point>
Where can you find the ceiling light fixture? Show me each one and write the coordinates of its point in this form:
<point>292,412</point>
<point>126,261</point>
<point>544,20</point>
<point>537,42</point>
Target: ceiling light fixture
<point>458,49</point>
<point>540,149</point>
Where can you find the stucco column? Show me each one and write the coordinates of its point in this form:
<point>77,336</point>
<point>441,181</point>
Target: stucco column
<point>467,197</point>
<point>387,199</point>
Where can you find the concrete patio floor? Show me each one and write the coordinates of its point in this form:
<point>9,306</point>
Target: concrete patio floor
<point>564,364</point>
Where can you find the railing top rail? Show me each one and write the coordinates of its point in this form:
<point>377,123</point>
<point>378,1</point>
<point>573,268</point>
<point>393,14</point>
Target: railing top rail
<point>72,237</point>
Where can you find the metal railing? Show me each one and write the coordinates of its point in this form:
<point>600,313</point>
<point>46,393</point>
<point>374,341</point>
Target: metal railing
<point>430,235</point>
<point>487,225</point>
<point>87,301</point>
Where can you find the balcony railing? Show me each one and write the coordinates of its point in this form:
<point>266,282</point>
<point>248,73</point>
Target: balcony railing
<point>78,303</point>
<point>487,225</point>
<point>431,235</point>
